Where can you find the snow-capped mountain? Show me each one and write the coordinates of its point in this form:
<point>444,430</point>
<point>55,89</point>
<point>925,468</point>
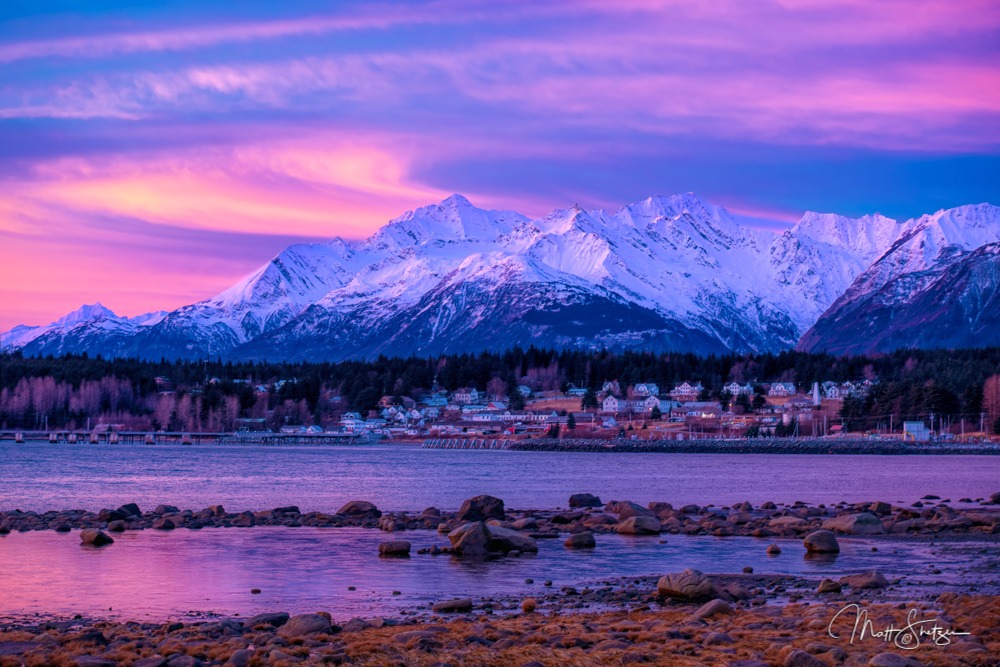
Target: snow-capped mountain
<point>90,327</point>
<point>666,273</point>
<point>937,286</point>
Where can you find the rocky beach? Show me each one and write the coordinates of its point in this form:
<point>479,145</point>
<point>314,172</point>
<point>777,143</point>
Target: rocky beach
<point>684,617</point>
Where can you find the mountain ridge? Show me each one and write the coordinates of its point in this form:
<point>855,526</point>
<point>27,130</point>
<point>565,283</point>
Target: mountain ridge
<point>666,273</point>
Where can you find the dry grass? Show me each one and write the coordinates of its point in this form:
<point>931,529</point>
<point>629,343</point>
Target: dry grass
<point>669,637</point>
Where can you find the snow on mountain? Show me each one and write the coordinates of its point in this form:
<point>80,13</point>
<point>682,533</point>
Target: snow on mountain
<point>669,273</point>
<point>915,275</point>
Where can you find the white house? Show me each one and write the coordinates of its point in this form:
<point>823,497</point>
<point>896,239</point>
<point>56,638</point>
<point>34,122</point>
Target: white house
<point>782,389</point>
<point>687,391</point>
<point>831,390</point>
<point>524,390</point>
<point>466,395</point>
<point>736,389</point>
<point>645,389</point>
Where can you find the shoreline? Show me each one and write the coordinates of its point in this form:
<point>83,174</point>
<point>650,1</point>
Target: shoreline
<point>814,446</point>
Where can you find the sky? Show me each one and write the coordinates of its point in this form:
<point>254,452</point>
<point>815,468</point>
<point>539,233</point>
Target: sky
<point>154,153</point>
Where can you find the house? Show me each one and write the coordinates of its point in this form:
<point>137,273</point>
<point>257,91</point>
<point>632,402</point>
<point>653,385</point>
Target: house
<point>578,392</point>
<point>352,422</point>
<point>609,422</point>
<point>737,389</point>
<point>466,395</point>
<point>831,390</point>
<point>524,390</point>
<point>664,404</point>
<point>616,404</point>
<point>496,405</point>
<point>916,432</point>
<point>687,392</point>
<point>611,387</point>
<point>436,401</point>
<point>782,389</point>
<point>645,389</point>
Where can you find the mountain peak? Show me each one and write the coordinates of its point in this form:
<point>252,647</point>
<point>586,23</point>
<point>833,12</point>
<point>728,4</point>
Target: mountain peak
<point>86,313</point>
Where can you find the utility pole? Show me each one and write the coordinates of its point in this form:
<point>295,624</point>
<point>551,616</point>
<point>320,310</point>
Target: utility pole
<point>890,423</point>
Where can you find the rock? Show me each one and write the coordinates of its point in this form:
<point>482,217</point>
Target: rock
<point>713,608</point>
<point>821,542</point>
<point>994,499</point>
<point>773,550</point>
<point>879,507</point>
<point>481,508</point>
<point>717,638</point>
<point>863,523</point>
<point>639,525</point>
<point>182,660</point>
<point>527,523</point>
<point>360,508</point>
<point>92,661</point>
<point>788,523</point>
<point>63,528</point>
<point>274,619</point>
<point>583,540</point>
<point>478,539</point>
<point>245,520</point>
<point>394,548</point>
<point>471,539</point>
<point>865,580</point>
<point>458,605</point>
<point>304,624</point>
<point>507,540</point>
<point>564,518</point>
<point>163,524</point>
<point>584,500</point>
<point>117,526</point>
<point>240,658</point>
<point>166,509</point>
<point>687,586</point>
<point>94,537</point>
<point>828,586</point>
<point>355,625</point>
<point>626,508</point>
<point>893,660</point>
<point>130,509</point>
<point>152,661</point>
<point>802,659</point>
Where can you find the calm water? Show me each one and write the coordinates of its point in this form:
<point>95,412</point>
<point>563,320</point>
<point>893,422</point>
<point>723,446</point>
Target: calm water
<point>40,476</point>
<point>161,575</point>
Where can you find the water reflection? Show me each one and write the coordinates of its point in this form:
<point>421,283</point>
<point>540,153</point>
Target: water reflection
<point>165,574</point>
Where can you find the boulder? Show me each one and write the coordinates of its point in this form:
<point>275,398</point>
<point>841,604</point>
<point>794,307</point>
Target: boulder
<point>481,508</point>
<point>584,540</point>
<point>773,550</point>
<point>788,523</point>
<point>828,586</point>
<point>166,509</point>
<point>880,507</point>
<point>116,526</point>
<point>713,608</point>
<point>863,523</point>
<point>639,525</point>
<point>821,542</point>
<point>457,605</point>
<point>95,538</point>
<point>163,523</point>
<point>130,509</point>
<point>304,624</point>
<point>245,520</point>
<point>360,508</point>
<point>994,499</point>
<point>865,580</point>
<point>626,508</point>
<point>478,539</point>
<point>507,540</point>
<point>274,619</point>
<point>687,586</point>
<point>584,500</point>
<point>394,548</point>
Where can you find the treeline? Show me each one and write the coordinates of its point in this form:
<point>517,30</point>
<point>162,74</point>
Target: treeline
<point>213,394</point>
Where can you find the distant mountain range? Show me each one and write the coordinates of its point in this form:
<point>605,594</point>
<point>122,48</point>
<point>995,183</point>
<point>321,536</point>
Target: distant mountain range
<point>666,273</point>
